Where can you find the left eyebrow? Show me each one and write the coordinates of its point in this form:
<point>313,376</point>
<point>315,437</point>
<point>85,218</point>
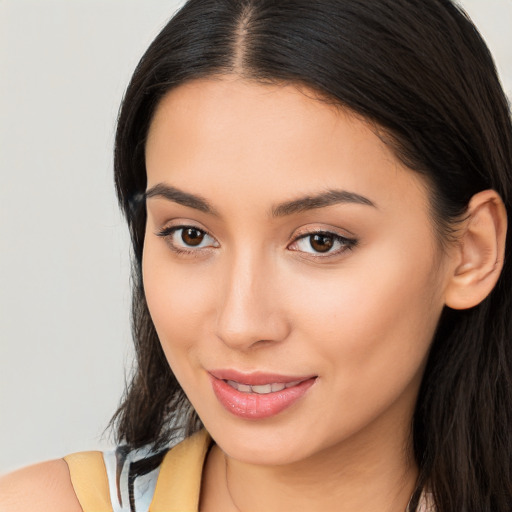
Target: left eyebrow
<point>327,198</point>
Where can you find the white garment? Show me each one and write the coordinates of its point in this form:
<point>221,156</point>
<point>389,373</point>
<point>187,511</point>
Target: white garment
<point>118,472</point>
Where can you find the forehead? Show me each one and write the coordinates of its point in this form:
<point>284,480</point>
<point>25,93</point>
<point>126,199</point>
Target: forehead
<point>238,139</point>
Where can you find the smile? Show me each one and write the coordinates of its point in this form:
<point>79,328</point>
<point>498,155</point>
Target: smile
<point>258,395</point>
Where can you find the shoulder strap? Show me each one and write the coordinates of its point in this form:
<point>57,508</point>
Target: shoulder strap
<point>179,481</point>
<point>90,482</point>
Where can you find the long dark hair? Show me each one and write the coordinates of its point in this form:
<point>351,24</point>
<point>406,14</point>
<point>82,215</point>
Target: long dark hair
<point>419,70</point>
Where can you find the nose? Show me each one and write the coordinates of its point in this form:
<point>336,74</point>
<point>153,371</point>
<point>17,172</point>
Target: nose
<point>251,311</point>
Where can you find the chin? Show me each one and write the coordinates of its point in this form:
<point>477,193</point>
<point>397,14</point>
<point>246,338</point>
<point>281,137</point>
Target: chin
<point>262,454</point>
<point>262,444</point>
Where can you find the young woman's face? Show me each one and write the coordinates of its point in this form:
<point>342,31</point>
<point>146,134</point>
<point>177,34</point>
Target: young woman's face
<point>290,268</point>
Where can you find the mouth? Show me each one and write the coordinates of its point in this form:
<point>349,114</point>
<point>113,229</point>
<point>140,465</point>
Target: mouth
<point>258,395</point>
<point>263,389</point>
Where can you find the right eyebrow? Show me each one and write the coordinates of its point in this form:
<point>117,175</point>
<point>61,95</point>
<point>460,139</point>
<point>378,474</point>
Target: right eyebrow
<point>179,196</point>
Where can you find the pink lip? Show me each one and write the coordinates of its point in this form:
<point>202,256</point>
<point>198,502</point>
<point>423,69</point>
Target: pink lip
<point>254,405</point>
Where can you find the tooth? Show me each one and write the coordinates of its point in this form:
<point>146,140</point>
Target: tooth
<point>232,383</point>
<point>262,390</point>
<point>294,383</point>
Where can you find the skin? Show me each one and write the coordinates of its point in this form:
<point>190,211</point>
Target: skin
<point>45,487</point>
<point>252,297</point>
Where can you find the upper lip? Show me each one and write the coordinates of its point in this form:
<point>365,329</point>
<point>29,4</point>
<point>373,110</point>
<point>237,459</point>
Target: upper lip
<point>257,378</point>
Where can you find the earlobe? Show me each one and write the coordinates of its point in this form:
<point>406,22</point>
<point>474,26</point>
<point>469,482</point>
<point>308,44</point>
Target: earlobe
<point>480,252</point>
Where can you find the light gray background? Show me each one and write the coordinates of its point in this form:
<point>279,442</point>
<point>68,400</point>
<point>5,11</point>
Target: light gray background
<point>64,254</point>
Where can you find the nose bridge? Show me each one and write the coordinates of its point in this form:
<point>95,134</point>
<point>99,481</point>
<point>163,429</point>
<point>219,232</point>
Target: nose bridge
<point>249,309</point>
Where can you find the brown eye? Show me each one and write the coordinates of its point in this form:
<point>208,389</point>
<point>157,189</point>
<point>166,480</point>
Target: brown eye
<point>187,239</point>
<point>321,242</point>
<point>192,236</point>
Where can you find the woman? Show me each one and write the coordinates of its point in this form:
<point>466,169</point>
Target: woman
<point>317,195</point>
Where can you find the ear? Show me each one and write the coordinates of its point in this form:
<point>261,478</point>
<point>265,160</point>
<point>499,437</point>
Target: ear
<point>480,251</point>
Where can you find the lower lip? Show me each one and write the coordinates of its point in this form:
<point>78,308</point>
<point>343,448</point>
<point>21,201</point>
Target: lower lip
<point>255,406</point>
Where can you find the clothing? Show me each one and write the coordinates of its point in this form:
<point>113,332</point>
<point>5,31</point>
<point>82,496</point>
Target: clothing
<point>106,482</point>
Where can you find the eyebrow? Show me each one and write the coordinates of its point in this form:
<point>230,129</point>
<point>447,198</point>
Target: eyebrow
<point>309,202</point>
<point>179,196</point>
<point>328,198</point>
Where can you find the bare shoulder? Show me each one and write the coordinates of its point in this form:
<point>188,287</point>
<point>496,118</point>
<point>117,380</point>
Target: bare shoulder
<point>42,487</point>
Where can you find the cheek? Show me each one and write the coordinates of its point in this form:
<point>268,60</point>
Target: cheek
<point>176,297</point>
<point>369,334</point>
<point>374,322</point>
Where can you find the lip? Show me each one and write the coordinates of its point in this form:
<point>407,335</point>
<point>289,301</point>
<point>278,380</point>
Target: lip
<point>254,405</point>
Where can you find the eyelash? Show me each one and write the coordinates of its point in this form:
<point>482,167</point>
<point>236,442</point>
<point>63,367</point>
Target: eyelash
<point>346,244</point>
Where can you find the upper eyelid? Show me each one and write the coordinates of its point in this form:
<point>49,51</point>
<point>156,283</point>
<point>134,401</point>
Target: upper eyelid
<point>348,241</point>
<point>323,231</point>
<point>338,233</point>
<point>182,225</point>
<point>173,229</point>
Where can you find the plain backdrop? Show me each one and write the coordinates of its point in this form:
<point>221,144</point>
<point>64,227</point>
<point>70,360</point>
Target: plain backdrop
<point>65,343</point>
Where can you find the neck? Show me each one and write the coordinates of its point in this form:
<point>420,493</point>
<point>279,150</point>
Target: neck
<point>368,474</point>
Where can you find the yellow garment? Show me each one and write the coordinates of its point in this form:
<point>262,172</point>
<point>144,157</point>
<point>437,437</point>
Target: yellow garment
<point>177,488</point>
<point>179,482</point>
<point>90,482</point>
